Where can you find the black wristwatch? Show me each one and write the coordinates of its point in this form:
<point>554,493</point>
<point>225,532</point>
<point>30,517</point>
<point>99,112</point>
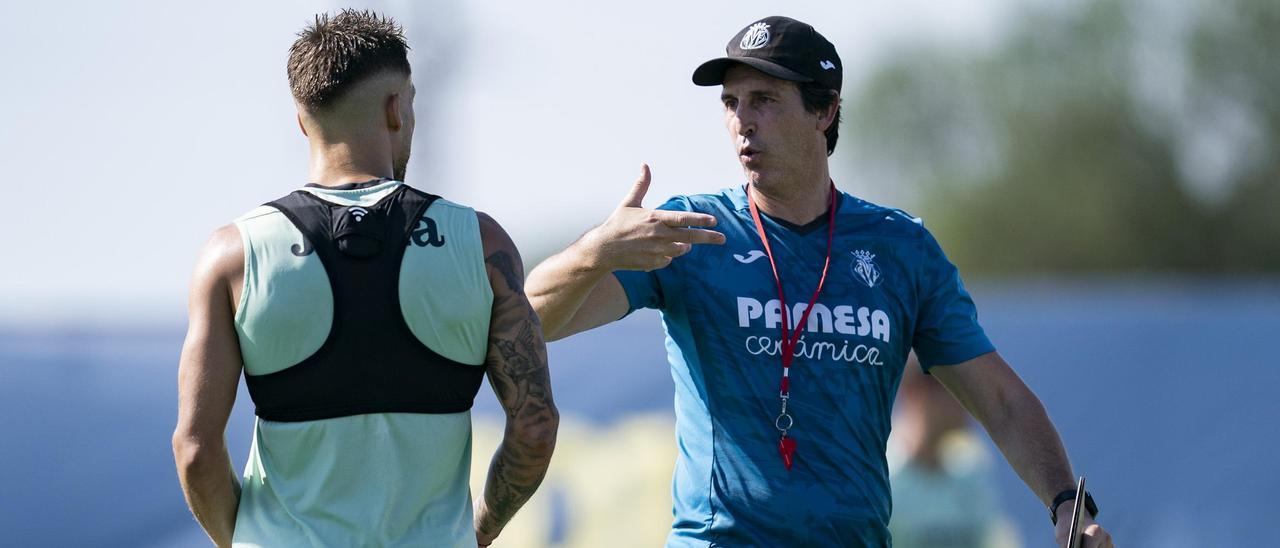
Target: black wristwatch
<point>1070,494</point>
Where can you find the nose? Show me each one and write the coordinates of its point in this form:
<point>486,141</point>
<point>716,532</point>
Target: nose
<point>742,122</point>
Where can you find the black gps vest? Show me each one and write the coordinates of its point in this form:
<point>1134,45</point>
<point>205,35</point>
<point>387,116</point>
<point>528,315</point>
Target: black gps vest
<point>371,361</point>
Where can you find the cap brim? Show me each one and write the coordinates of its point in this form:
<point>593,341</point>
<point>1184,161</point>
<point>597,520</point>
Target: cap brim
<point>711,73</point>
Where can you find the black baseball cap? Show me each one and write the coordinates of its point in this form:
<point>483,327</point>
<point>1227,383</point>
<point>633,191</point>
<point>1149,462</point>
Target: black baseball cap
<point>780,47</point>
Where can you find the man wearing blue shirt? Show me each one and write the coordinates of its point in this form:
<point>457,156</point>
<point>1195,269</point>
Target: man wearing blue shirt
<point>787,339</point>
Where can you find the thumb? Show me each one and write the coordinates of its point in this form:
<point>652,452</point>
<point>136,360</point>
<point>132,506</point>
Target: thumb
<point>638,190</point>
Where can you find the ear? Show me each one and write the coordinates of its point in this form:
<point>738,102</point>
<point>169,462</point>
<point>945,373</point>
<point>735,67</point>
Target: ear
<point>827,116</point>
<point>302,127</point>
<point>392,112</point>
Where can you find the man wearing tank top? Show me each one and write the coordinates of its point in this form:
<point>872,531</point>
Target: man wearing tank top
<point>364,314</point>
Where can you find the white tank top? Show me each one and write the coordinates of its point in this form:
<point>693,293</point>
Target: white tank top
<point>383,479</point>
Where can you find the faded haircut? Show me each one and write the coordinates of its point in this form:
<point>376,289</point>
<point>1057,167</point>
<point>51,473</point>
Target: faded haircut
<point>333,54</point>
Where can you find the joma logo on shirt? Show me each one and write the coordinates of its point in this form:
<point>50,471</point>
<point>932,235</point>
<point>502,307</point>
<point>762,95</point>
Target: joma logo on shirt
<point>843,319</point>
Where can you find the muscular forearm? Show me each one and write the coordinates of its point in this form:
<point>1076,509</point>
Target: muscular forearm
<point>559,286</point>
<point>1017,422</point>
<point>517,469</point>
<point>211,488</point>
<point>1031,444</point>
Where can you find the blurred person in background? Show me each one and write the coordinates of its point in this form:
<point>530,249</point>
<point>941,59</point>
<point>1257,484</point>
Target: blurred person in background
<point>943,491</point>
<point>771,454</point>
<point>365,314</point>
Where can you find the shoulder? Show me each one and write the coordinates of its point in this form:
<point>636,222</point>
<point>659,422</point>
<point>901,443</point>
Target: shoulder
<point>883,220</point>
<point>718,203</point>
<point>493,237</point>
<point>222,257</point>
<point>442,205</point>
<point>458,220</point>
<point>262,211</point>
<point>500,254</point>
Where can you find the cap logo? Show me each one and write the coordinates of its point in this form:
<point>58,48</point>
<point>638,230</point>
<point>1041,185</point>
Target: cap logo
<point>827,65</point>
<point>756,37</point>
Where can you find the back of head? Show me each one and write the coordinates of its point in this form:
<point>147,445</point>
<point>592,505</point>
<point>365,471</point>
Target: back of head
<point>334,54</point>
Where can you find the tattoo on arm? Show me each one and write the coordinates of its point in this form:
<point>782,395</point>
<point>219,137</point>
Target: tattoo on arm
<point>517,370</point>
<point>505,264</point>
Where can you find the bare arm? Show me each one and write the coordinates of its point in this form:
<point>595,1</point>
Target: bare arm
<point>1017,422</point>
<point>575,290</point>
<point>517,369</point>
<point>571,295</point>
<point>208,373</point>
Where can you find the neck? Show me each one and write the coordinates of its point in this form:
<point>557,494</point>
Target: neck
<point>334,164</point>
<point>799,201</point>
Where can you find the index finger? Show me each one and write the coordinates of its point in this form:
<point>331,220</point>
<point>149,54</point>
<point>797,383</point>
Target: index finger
<point>697,236</point>
<point>685,218</point>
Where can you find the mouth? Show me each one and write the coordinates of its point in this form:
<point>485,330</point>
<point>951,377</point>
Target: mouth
<point>748,155</point>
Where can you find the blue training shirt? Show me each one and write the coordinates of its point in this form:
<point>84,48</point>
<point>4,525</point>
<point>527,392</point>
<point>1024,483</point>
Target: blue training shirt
<point>889,289</point>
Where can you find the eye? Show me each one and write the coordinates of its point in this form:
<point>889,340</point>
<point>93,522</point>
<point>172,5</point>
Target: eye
<point>731,103</point>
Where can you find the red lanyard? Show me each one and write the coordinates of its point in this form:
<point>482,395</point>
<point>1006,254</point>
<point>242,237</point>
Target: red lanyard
<point>784,422</point>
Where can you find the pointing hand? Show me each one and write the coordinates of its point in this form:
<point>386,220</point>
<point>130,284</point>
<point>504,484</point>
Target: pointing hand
<point>635,238</point>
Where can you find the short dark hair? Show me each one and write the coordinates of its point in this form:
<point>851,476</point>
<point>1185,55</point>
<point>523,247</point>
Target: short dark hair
<point>334,53</point>
<point>817,97</point>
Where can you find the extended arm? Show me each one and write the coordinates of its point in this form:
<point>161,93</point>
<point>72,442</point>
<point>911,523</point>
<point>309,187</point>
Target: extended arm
<point>572,293</point>
<point>574,290</point>
<point>517,369</point>
<point>1018,424</point>
<point>208,373</point>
